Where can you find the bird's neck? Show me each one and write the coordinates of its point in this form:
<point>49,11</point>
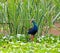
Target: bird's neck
<point>34,23</point>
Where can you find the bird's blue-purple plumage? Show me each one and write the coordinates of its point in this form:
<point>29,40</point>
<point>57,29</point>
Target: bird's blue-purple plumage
<point>34,29</point>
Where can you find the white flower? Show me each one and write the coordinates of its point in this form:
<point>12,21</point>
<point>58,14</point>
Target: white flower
<point>1,52</point>
<point>58,50</point>
<point>43,36</point>
<point>11,42</point>
<point>52,38</point>
<point>18,35</point>
<point>11,37</point>
<point>22,43</point>
<point>46,52</point>
<point>4,37</point>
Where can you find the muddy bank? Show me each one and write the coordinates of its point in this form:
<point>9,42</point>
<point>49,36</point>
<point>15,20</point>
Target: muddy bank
<point>56,29</point>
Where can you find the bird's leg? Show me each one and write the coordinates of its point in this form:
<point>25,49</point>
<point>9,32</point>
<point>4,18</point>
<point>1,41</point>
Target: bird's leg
<point>32,38</point>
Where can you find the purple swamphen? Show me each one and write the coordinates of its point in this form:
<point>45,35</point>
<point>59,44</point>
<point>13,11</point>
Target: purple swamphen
<point>33,30</point>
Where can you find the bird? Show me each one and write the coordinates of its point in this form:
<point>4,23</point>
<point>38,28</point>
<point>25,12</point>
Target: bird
<point>33,30</point>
